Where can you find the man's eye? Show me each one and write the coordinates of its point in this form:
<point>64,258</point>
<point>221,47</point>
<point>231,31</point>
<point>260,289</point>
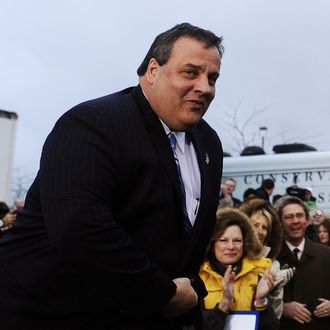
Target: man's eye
<point>191,73</point>
<point>212,81</point>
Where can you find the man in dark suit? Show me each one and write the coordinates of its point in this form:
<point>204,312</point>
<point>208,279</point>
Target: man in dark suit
<point>103,242</point>
<point>266,189</point>
<point>227,193</point>
<point>307,294</point>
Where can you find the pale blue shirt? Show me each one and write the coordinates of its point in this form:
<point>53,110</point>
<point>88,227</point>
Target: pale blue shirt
<point>190,173</point>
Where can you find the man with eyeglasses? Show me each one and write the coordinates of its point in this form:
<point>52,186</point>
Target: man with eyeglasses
<point>307,295</point>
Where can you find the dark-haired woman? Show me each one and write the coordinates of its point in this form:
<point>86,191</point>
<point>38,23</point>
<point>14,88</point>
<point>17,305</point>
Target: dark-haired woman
<point>235,275</point>
<point>324,232</point>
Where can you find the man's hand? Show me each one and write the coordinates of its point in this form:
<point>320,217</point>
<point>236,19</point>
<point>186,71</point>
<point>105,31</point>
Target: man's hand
<point>184,299</point>
<point>8,219</point>
<point>323,308</point>
<point>297,312</point>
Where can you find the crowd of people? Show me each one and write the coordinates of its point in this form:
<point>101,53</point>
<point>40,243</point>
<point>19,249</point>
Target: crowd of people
<point>316,215</point>
<point>272,258</point>
<point>8,214</point>
<point>295,236</point>
<point>123,227</point>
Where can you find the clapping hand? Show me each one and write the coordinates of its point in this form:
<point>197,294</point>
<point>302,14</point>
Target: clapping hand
<point>265,284</point>
<point>227,289</point>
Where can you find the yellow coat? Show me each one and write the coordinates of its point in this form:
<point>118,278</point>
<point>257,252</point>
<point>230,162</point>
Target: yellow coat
<point>244,286</point>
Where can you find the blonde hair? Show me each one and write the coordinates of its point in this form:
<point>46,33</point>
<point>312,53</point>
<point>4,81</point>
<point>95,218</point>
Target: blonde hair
<point>275,231</point>
<point>267,215</point>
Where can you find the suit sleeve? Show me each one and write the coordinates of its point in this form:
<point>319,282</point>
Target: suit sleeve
<point>80,180</point>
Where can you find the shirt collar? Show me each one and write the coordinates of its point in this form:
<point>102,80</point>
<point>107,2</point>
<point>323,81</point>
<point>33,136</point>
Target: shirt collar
<point>300,247</point>
<point>180,136</point>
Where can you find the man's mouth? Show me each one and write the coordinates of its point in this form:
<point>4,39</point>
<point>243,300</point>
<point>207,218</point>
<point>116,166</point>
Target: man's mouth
<point>295,230</point>
<point>196,103</point>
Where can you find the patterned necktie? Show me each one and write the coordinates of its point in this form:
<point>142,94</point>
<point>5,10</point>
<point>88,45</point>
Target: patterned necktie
<point>187,223</point>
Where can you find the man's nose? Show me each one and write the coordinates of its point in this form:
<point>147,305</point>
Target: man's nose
<point>203,85</point>
<point>295,218</point>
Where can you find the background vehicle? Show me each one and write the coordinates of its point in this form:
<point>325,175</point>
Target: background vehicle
<point>8,122</point>
<point>304,169</point>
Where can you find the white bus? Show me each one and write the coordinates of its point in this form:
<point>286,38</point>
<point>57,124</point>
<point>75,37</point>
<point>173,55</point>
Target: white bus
<point>8,121</point>
<point>304,169</point>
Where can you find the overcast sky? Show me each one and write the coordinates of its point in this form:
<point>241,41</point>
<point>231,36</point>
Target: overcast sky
<point>57,53</point>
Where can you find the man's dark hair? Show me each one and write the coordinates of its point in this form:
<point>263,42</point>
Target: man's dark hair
<point>249,193</point>
<point>162,46</point>
<point>287,200</point>
<point>267,184</point>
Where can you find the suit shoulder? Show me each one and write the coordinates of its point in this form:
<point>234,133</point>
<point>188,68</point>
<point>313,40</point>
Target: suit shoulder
<point>104,114</point>
<point>106,101</point>
<point>108,108</point>
<point>208,132</point>
<point>318,249</point>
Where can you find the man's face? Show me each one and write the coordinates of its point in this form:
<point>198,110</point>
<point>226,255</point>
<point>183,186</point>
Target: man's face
<point>230,186</point>
<point>183,88</point>
<point>315,216</point>
<point>294,223</point>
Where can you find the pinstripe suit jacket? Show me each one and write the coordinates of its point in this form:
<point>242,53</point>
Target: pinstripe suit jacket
<point>101,236</point>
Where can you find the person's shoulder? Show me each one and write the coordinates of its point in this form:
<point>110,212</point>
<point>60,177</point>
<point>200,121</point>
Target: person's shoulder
<point>237,202</point>
<point>205,268</point>
<point>109,106</point>
<point>205,128</point>
<point>263,262</point>
<point>259,264</point>
<point>101,112</point>
<point>317,249</point>
<point>113,98</point>
<point>208,134</point>
<point>209,276</point>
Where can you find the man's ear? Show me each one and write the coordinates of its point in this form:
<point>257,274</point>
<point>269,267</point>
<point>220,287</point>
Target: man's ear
<point>152,70</point>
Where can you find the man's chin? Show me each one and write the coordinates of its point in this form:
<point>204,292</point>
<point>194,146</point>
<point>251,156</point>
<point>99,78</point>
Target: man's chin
<point>192,122</point>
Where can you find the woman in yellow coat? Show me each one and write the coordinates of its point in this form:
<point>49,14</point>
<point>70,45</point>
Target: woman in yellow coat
<point>235,275</point>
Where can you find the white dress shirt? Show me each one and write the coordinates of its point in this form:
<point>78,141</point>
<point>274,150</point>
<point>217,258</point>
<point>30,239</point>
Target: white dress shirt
<point>190,173</point>
<point>300,247</point>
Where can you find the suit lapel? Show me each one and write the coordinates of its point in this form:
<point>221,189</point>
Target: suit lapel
<point>158,138</point>
<point>309,251</point>
<point>161,145</point>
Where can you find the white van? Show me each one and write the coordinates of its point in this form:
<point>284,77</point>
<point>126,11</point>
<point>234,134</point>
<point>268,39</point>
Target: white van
<point>8,121</point>
<point>304,169</point>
